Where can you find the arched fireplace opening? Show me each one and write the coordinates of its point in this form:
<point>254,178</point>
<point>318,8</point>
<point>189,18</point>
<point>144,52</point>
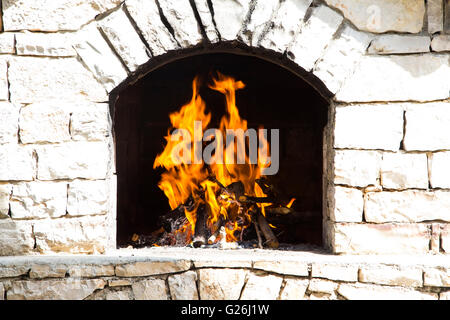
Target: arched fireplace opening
<point>273,97</point>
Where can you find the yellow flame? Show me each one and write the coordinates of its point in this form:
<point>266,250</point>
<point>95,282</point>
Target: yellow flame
<point>181,181</point>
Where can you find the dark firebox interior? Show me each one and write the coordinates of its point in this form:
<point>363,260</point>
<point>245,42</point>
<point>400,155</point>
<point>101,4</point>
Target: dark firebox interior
<point>273,97</point>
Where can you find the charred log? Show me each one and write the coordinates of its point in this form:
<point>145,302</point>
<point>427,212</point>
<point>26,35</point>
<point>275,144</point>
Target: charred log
<point>271,239</point>
<point>201,229</point>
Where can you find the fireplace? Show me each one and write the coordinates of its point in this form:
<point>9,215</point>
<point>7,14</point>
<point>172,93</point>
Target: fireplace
<point>273,97</point>
<point>357,93</point>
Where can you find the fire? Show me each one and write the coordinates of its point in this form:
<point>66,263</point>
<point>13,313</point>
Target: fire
<point>205,183</point>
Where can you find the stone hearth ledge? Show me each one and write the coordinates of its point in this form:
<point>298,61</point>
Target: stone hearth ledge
<point>186,273</point>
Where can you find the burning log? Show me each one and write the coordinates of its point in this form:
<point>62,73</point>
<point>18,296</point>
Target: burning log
<point>223,244</point>
<point>173,220</point>
<point>271,239</point>
<point>258,234</point>
<point>176,218</point>
<point>201,229</point>
<point>220,222</point>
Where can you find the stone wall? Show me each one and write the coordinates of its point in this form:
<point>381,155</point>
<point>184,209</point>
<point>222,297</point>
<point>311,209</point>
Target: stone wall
<point>218,275</point>
<point>384,63</point>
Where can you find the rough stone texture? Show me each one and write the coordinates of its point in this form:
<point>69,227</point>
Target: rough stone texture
<point>31,200</point>
<point>230,263</point>
<point>435,11</point>
<point>439,173</point>
<point>16,237</point>
<point>14,271</point>
<point>41,271</point>
<point>45,44</point>
<point>322,286</point>
<point>99,58</point>
<point>346,205</point>
<point>5,194</point>
<point>91,271</point>
<point>356,168</point>
<point>341,57</point>
<point>183,286</point>
<point>58,15</point>
<point>402,273</point>
<point>285,25</point>
<point>294,289</point>
<point>88,160</point>
<point>335,272</point>
<point>44,122</point>
<point>405,78</point>
<point>435,117</point>
<point>358,127</point>
<point>118,283</point>
<point>441,43</point>
<point>2,292</point>
<point>181,18</point>
<point>151,289</point>
<point>146,16</point>
<point>206,20</point>
<point>447,17</point>
<point>221,284</point>
<point>262,287</point>
<point>72,235</point>
<point>16,163</point>
<point>54,289</point>
<point>383,15</point>
<point>380,238</point>
<point>34,79</point>
<point>359,291</point>
<point>295,268</point>
<point>444,295</point>
<point>435,246</point>
<point>140,269</point>
<point>403,171</point>
<point>124,39</point>
<point>437,277</point>
<point>392,275</point>
<point>7,43</point>
<point>229,16</point>
<point>314,36</point>
<point>322,296</point>
<point>9,113</point>
<point>260,17</point>
<point>407,206</point>
<point>119,295</point>
<point>445,238</point>
<point>395,43</point>
<point>90,122</point>
<point>88,197</point>
<point>4,77</point>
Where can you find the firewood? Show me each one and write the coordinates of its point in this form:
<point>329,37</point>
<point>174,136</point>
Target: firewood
<point>176,218</point>
<point>220,222</point>
<point>201,229</point>
<point>258,234</point>
<point>223,244</point>
<point>271,239</point>
<point>278,210</point>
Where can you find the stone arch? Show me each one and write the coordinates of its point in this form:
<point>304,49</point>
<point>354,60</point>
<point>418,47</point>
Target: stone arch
<point>140,35</point>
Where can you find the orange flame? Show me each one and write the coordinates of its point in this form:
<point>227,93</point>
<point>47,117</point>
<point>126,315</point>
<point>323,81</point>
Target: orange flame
<point>181,180</point>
